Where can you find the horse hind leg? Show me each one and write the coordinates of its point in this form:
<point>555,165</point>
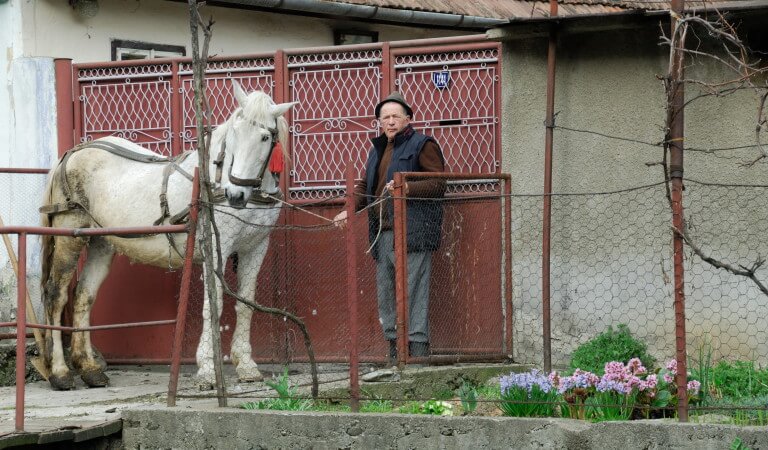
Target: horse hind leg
<point>63,264</point>
<point>84,357</point>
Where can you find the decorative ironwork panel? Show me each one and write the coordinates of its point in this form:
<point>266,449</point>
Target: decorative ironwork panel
<point>221,98</point>
<point>334,121</point>
<point>454,99</point>
<point>132,102</point>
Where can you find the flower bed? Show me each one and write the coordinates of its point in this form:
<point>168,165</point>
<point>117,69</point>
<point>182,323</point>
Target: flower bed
<point>623,392</point>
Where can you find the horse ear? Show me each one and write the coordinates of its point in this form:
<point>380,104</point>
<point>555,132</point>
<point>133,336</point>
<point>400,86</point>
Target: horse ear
<point>240,95</point>
<point>279,110</point>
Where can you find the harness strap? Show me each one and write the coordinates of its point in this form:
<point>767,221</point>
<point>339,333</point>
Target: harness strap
<point>167,171</point>
<point>219,162</point>
<point>173,164</point>
<point>257,196</point>
<point>123,152</point>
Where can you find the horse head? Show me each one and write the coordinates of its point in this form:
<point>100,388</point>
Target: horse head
<point>254,129</point>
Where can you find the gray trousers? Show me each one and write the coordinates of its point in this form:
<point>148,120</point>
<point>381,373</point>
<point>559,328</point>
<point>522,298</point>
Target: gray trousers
<point>419,270</point>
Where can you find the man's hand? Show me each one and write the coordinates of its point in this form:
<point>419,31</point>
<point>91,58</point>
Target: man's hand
<point>390,187</point>
<point>340,220</point>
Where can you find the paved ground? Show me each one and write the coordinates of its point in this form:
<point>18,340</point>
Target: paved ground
<point>134,386</point>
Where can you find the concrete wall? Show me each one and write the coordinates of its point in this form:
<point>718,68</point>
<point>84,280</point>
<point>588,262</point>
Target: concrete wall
<point>611,253</point>
<point>28,115</point>
<point>233,429</point>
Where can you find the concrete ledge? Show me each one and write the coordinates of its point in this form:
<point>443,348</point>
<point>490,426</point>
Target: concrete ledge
<point>240,429</point>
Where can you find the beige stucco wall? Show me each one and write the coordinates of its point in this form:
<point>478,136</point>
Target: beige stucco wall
<point>611,253</point>
<point>34,32</point>
<point>53,28</point>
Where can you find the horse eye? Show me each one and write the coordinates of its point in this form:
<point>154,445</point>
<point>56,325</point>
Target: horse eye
<point>264,138</point>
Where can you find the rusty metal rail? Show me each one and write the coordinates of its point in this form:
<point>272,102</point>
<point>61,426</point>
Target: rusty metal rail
<point>21,324</point>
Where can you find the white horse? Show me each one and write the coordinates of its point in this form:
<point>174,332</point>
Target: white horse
<point>98,186</point>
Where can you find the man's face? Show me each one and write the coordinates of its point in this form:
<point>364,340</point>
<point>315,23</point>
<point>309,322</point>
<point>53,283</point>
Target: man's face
<point>392,119</point>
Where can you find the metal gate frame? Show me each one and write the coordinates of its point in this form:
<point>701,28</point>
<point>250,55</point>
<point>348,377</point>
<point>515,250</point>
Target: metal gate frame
<point>153,108</point>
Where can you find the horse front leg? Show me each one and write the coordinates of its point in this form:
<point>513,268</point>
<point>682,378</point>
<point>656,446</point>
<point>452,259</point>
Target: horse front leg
<point>248,271</point>
<point>206,377</point>
<point>96,268</point>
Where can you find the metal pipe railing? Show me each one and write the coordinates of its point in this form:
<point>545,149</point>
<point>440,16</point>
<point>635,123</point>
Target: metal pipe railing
<point>21,324</point>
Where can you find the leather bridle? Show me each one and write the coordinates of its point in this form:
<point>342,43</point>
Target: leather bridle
<point>252,182</point>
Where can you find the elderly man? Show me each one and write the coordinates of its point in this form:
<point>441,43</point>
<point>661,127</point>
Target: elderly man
<point>402,149</point>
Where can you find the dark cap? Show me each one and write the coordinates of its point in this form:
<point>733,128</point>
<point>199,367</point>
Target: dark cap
<point>397,98</point>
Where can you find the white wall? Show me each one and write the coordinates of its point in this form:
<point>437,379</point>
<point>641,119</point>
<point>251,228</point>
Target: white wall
<point>53,28</point>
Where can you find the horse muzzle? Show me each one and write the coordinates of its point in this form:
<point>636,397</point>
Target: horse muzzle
<point>237,197</point>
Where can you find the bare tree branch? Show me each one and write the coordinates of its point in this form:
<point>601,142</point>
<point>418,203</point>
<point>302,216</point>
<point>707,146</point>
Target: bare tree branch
<point>736,58</point>
<point>218,272</point>
<point>748,272</point>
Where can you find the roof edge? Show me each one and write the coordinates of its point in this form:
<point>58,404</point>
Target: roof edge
<point>403,17</point>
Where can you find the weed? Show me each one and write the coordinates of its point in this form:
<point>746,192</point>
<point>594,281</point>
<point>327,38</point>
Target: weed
<point>611,345</point>
<point>287,397</point>
<point>432,407</point>
<point>468,395</point>
<point>737,444</point>
<point>740,379</point>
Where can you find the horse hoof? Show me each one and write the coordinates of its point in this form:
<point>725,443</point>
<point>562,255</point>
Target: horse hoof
<point>95,378</point>
<point>62,383</point>
<point>250,378</point>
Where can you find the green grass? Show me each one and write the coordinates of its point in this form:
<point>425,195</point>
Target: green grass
<point>377,406</point>
<point>489,392</point>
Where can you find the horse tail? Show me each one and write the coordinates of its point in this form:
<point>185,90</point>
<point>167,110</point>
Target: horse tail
<point>47,242</point>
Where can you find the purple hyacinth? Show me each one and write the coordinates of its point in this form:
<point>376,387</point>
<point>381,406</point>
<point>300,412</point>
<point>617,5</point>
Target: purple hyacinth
<point>579,379</point>
<point>526,380</point>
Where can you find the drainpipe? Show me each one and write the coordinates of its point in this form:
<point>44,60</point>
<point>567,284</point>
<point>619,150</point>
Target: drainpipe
<point>374,13</point>
<point>547,213</point>
<point>676,101</point>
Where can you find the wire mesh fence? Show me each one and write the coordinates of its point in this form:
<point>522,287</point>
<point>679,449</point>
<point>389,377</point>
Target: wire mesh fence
<point>18,207</point>
<point>611,265</point>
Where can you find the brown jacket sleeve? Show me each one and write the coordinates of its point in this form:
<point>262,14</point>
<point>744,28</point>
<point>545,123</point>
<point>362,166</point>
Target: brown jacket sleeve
<point>360,188</point>
<point>430,160</point>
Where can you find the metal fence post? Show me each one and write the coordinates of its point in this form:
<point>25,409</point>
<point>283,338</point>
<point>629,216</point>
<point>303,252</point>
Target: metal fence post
<point>401,268</point>
<point>352,291</point>
<point>21,331</point>
<point>186,280</point>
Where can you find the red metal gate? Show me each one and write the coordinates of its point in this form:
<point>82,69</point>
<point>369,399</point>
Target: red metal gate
<point>453,85</point>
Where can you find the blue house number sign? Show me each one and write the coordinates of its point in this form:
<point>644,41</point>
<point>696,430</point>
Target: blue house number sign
<point>441,79</point>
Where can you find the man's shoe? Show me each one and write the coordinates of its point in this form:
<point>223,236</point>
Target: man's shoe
<point>418,349</point>
<point>392,361</point>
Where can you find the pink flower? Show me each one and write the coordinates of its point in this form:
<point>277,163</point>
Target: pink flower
<point>636,367</point>
<point>614,368</point>
<point>672,366</point>
<point>651,381</point>
<point>669,378</point>
<point>693,387</point>
<point>649,384</point>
